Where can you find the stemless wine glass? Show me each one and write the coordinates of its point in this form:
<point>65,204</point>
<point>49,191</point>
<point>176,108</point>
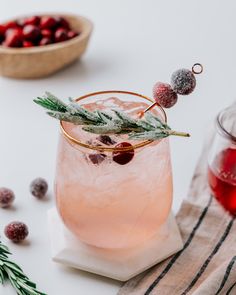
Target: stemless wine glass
<point>222,160</point>
<point>106,202</point>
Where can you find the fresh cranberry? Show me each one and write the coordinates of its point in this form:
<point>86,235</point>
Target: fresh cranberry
<point>15,30</point>
<point>46,33</point>
<point>123,157</point>
<point>72,34</point>
<point>2,30</point>
<point>2,33</point>
<point>13,39</point>
<point>33,20</point>
<point>62,22</point>
<point>16,231</point>
<point>48,22</point>
<point>97,159</point>
<point>31,32</point>
<point>45,41</point>
<point>60,35</point>
<point>28,44</point>
<point>106,139</point>
<point>11,25</point>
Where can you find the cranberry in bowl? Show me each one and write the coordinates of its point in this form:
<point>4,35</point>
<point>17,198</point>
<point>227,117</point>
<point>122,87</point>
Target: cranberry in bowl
<point>39,45</point>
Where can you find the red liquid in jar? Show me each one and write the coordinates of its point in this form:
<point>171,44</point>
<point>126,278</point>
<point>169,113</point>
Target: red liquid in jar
<point>222,179</point>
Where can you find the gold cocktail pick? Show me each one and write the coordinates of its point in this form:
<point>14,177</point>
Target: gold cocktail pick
<point>183,82</point>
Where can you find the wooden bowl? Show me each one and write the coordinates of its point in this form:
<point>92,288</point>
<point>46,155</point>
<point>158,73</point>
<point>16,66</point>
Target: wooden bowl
<point>41,61</point>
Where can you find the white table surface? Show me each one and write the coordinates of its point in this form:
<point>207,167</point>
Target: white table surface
<point>135,43</point>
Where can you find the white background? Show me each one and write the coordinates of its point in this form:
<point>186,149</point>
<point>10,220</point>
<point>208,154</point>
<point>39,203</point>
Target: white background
<point>134,44</point>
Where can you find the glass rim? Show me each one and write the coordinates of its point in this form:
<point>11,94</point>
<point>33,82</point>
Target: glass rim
<point>111,149</point>
<point>221,127</point>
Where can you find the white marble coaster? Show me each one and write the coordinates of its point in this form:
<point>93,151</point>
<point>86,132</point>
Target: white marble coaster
<point>116,264</point>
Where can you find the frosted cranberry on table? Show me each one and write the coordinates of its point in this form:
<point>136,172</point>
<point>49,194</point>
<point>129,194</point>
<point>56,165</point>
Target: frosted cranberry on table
<point>7,197</point>
<point>39,187</point>
<point>16,231</point>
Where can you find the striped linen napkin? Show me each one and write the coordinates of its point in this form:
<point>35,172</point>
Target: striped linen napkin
<point>207,263</point>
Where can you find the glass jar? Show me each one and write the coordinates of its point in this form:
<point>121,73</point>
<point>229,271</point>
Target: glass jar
<point>106,202</point>
<point>222,160</point>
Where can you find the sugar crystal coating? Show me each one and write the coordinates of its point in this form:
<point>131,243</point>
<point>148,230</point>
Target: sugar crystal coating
<point>164,95</point>
<point>183,81</point>
<point>38,187</point>
<point>16,231</point>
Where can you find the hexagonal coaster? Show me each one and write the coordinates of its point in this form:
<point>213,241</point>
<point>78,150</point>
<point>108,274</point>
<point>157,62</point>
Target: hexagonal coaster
<point>116,264</point>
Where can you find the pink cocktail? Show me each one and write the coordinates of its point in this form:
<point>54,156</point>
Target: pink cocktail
<point>108,201</point>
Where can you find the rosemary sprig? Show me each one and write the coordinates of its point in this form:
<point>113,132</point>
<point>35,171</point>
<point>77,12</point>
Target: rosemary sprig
<point>12,272</point>
<point>102,122</point>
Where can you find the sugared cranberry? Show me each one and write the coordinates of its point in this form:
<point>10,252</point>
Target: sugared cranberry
<point>7,197</point>
<point>62,22</point>
<point>45,41</point>
<point>13,39</point>
<point>33,20</point>
<point>16,231</point>
<point>72,34</point>
<point>106,139</point>
<point>39,187</point>
<point>123,157</point>
<point>97,158</point>
<point>164,95</point>
<point>60,35</point>
<point>31,32</point>
<point>48,22</point>
<point>28,44</point>
<point>183,81</point>
<point>46,33</point>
